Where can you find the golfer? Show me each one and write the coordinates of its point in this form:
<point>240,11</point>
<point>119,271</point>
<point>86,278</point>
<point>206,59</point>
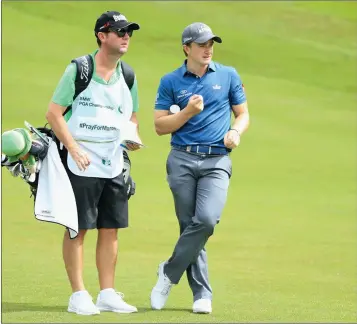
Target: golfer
<point>194,104</point>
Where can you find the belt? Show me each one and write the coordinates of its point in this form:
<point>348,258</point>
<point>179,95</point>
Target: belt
<point>202,149</point>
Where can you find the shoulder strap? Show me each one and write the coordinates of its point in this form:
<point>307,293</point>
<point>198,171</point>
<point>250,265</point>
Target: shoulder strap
<point>128,73</point>
<point>84,73</point>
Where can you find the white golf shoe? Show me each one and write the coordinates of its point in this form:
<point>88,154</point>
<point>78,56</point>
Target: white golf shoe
<point>112,301</point>
<point>160,292</point>
<point>81,303</point>
<point>202,306</point>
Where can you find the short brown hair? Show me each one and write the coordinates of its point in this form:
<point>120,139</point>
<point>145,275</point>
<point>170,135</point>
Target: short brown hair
<point>189,45</point>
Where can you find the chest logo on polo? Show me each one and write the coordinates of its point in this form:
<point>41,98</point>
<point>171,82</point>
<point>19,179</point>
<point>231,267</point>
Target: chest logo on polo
<point>216,87</point>
<point>184,93</point>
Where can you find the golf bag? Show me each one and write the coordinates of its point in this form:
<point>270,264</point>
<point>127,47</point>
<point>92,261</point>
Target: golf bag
<point>39,149</point>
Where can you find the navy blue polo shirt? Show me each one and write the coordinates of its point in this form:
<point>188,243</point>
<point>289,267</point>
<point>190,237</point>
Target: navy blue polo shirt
<point>220,87</point>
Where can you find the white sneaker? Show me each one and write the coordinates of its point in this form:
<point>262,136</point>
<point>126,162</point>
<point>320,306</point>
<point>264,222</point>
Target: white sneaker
<point>202,306</point>
<point>81,303</point>
<point>112,301</point>
<point>160,292</point>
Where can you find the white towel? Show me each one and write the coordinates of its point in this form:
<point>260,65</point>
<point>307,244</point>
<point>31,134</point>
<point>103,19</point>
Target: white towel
<point>55,200</point>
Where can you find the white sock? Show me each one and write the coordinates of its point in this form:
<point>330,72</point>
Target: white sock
<point>105,291</point>
<point>80,292</point>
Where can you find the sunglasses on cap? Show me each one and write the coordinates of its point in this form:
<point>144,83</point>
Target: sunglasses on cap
<point>122,31</point>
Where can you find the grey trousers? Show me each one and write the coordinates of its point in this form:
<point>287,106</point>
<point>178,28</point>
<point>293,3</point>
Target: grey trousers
<point>199,184</point>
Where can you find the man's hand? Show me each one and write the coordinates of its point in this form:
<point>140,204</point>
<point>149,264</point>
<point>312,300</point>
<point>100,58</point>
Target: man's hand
<point>232,139</point>
<point>80,157</point>
<point>195,105</point>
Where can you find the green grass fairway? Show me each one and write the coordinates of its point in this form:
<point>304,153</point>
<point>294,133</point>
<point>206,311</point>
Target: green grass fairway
<point>285,250</point>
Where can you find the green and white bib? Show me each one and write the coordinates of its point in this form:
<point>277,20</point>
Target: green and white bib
<point>97,114</point>
<point>95,118</point>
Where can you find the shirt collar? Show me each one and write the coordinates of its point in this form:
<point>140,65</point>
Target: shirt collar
<point>184,71</point>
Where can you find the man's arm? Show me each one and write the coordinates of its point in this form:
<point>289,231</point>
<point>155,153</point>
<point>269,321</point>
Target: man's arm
<point>167,124</point>
<point>239,107</point>
<point>135,99</point>
<point>134,116</point>
<point>59,126</point>
<point>134,119</point>
<point>241,114</point>
<point>55,118</point>
<point>62,98</point>
<point>164,121</point>
<point>240,125</point>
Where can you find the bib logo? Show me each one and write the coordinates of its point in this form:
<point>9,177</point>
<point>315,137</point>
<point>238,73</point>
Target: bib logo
<point>106,161</point>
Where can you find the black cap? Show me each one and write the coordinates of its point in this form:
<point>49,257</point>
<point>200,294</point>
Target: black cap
<point>115,20</point>
<point>199,33</point>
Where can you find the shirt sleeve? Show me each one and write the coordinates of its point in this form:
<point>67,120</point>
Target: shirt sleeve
<point>65,90</point>
<point>236,90</point>
<point>164,96</point>
<point>134,95</point>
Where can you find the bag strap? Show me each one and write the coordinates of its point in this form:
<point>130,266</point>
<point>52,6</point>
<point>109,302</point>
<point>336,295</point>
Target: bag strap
<point>128,73</point>
<point>85,66</point>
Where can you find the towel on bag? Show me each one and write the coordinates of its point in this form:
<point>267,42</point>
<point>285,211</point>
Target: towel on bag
<point>55,201</point>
